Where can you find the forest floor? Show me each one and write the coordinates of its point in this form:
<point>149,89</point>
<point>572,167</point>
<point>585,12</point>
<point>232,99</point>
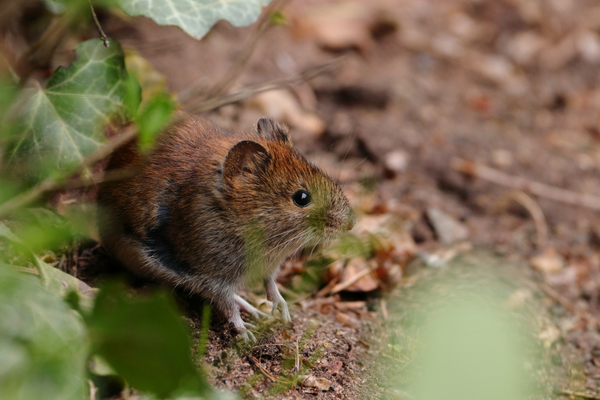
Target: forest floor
<point>461,118</point>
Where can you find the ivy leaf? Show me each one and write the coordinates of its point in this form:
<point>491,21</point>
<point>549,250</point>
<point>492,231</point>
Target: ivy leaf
<point>145,341</point>
<point>196,17</point>
<point>64,122</point>
<point>43,343</point>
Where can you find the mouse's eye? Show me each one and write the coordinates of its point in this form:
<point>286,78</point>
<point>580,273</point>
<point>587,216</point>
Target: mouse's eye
<point>302,198</point>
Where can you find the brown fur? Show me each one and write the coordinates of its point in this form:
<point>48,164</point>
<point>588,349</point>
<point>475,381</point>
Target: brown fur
<point>210,210</point>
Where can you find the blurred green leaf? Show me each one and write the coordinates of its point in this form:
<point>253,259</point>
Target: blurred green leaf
<point>43,345</point>
<point>151,81</point>
<point>132,97</point>
<point>153,118</point>
<point>66,286</point>
<point>41,229</point>
<point>196,17</point>
<point>64,122</point>
<point>145,341</point>
<point>471,349</point>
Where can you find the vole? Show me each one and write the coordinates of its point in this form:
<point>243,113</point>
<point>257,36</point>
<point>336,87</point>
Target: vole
<point>210,210</point>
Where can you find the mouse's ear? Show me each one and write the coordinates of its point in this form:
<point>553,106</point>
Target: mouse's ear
<point>246,156</point>
<point>270,128</point>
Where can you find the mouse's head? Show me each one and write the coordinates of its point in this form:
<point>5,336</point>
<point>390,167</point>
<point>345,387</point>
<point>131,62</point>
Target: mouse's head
<point>292,202</point>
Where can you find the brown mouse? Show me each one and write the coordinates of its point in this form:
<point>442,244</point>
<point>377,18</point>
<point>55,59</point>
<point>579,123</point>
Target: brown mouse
<point>211,210</point>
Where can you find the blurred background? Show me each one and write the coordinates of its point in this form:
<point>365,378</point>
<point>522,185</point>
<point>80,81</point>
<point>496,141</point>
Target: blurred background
<point>457,127</point>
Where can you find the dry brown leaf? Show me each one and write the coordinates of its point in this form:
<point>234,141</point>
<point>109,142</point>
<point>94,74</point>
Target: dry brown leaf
<point>338,26</point>
<point>356,277</point>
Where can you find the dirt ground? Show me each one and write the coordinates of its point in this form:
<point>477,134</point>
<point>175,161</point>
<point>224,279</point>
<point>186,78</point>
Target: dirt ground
<point>510,84</point>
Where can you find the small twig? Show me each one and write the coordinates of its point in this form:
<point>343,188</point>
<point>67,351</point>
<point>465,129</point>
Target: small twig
<point>250,91</point>
<point>98,178</point>
<point>343,285</point>
<point>470,168</point>
<point>541,227</point>
<point>51,184</point>
<point>297,363</point>
<point>560,299</point>
<point>262,369</point>
<point>384,310</point>
<point>327,289</point>
<point>93,390</point>
<point>392,358</point>
<point>99,27</point>
<point>197,91</point>
<point>578,394</point>
<point>567,304</point>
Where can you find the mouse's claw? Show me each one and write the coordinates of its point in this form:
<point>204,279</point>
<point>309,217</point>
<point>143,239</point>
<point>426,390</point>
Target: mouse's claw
<point>244,305</point>
<point>278,301</point>
<point>247,335</point>
<point>285,312</point>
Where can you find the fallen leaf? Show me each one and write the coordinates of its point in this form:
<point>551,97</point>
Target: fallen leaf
<point>356,277</point>
<point>338,26</point>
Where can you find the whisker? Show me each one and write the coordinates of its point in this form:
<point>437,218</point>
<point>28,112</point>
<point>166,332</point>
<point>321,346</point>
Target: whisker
<point>346,154</point>
<point>283,245</point>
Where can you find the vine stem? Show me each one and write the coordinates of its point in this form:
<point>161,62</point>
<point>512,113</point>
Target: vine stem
<point>54,183</point>
<point>99,27</point>
<point>250,91</point>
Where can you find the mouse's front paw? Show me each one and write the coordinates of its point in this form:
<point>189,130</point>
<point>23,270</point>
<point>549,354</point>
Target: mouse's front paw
<point>247,335</point>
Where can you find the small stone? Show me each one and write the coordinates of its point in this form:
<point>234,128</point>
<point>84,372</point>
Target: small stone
<point>548,262</point>
<point>447,229</point>
<point>319,383</point>
<point>502,158</point>
<point>396,160</point>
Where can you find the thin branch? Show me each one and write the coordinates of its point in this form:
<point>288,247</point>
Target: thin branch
<point>99,27</point>
<point>470,168</point>
<point>98,178</point>
<point>55,183</point>
<point>197,91</point>
<point>250,91</point>
<point>541,227</point>
<point>262,369</point>
<point>344,285</point>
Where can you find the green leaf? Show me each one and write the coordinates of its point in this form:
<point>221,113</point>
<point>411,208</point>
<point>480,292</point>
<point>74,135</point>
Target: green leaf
<point>64,122</point>
<point>153,118</point>
<point>41,229</point>
<point>54,280</point>
<point>144,340</point>
<point>196,17</point>
<point>66,286</point>
<point>43,345</point>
